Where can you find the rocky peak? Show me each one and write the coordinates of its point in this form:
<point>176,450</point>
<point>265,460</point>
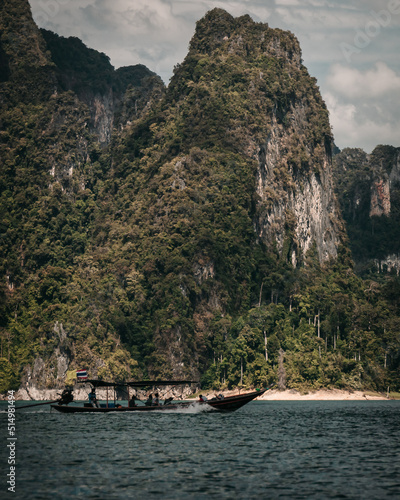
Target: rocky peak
<point>251,94</point>
<point>218,32</point>
<point>213,31</point>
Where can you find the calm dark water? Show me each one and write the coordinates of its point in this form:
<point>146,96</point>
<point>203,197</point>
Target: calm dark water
<point>277,449</point>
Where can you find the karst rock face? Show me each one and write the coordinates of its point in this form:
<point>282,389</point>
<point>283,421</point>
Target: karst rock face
<point>153,210</point>
<point>249,93</point>
<point>232,165</point>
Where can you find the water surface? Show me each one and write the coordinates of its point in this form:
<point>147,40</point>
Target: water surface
<point>267,449</point>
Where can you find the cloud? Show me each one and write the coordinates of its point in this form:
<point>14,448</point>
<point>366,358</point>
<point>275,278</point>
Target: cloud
<point>355,84</point>
<point>149,33</point>
<point>364,105</point>
<point>354,131</point>
<point>287,2</point>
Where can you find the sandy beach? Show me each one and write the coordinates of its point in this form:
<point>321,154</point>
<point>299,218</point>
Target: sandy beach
<point>320,395</point>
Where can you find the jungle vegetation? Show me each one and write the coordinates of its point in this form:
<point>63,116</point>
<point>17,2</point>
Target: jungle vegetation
<point>140,257</point>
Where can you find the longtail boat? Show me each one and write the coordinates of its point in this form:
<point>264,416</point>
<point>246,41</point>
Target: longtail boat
<point>219,403</point>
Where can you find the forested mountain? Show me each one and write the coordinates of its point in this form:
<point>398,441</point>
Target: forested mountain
<point>368,187</point>
<point>191,230</point>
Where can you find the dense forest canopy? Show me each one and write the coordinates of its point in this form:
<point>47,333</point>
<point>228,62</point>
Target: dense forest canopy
<point>191,230</point>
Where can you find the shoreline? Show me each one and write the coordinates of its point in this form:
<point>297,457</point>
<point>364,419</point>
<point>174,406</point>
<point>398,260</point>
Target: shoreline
<point>318,395</point>
<point>81,394</point>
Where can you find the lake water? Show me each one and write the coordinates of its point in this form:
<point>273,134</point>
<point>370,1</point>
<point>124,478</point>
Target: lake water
<point>267,449</point>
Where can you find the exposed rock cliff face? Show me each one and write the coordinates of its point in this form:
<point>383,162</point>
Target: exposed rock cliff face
<point>49,371</point>
<point>390,264</point>
<point>305,209</point>
<point>386,180</point>
<point>380,198</point>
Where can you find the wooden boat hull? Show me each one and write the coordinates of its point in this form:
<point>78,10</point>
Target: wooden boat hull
<point>91,409</point>
<point>230,403</point>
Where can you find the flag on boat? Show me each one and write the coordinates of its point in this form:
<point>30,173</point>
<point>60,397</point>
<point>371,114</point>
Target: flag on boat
<point>81,375</point>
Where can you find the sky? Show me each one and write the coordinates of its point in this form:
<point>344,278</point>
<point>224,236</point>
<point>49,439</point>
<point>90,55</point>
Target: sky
<point>351,46</point>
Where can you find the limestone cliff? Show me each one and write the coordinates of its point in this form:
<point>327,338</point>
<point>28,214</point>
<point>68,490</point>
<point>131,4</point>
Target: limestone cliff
<point>368,188</point>
<point>386,180</point>
<point>304,209</point>
<point>232,174</point>
<point>208,197</point>
<point>274,116</point>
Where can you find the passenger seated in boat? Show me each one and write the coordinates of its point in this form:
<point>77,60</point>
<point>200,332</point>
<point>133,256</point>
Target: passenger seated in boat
<point>202,398</point>
<point>132,402</point>
<point>66,396</point>
<point>156,400</point>
<point>93,399</point>
<point>217,396</point>
<point>149,401</point>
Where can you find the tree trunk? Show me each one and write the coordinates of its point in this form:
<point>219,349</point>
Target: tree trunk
<point>281,371</point>
<point>266,346</point>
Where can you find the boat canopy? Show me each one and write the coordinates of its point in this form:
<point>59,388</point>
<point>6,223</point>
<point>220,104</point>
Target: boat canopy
<point>140,383</point>
<point>101,383</point>
<point>160,383</point>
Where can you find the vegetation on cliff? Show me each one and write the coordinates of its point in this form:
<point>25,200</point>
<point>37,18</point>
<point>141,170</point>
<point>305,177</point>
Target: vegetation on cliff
<point>143,256</point>
<point>368,188</point>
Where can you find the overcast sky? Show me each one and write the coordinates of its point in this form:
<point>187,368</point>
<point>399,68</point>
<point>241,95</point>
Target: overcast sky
<point>351,47</point>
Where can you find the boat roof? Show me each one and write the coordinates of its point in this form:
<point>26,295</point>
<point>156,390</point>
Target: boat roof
<point>159,383</point>
<point>140,383</point>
